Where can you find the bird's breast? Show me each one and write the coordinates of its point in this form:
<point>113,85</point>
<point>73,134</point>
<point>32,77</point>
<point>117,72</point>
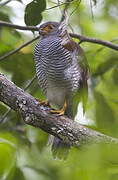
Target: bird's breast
<point>56,95</point>
<point>57,73</point>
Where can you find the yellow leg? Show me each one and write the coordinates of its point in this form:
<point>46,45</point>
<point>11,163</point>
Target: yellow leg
<point>60,111</point>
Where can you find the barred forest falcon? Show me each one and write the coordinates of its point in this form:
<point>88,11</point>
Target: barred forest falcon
<point>62,72</point>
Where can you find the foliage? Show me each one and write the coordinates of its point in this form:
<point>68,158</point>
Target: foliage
<point>24,154</point>
<point>33,12</point>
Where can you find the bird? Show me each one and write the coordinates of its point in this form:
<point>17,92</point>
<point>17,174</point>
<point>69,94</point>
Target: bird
<point>62,72</point>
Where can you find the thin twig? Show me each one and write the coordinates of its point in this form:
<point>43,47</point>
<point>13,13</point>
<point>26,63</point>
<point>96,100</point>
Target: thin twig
<point>26,28</point>
<point>77,36</point>
<point>94,40</point>
<point>61,4</point>
<point>103,47</point>
<point>2,120</point>
<point>65,9</point>
<point>58,2</point>
<point>58,5</point>
<point>78,3</point>
<point>18,49</point>
<point>92,15</point>
<point>4,3</point>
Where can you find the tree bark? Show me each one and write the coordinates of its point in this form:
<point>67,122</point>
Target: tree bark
<point>39,116</point>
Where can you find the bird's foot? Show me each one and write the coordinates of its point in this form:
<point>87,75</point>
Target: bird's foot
<point>43,103</point>
<point>59,112</point>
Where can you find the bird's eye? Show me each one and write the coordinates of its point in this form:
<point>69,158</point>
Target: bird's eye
<point>46,29</point>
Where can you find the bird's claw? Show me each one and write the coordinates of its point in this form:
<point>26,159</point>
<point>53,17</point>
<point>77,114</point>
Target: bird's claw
<point>43,103</point>
<point>58,112</point>
<point>61,111</point>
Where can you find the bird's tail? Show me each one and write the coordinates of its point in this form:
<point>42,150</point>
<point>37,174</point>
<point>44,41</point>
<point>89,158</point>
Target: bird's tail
<point>60,149</point>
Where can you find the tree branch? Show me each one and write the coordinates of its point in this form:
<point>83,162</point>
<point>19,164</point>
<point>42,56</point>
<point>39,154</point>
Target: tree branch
<point>39,116</point>
<point>8,111</point>
<point>18,49</point>
<point>77,36</point>
<point>95,41</point>
<point>26,28</point>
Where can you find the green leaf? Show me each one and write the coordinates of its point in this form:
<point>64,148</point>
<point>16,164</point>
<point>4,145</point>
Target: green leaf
<point>105,118</point>
<point>106,65</point>
<point>2,109</point>
<point>18,175</point>
<point>4,17</point>
<point>115,75</point>
<point>33,12</point>
<point>7,155</point>
<point>24,67</point>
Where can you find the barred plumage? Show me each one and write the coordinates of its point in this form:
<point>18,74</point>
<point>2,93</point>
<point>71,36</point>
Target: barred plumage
<point>55,67</point>
<point>61,71</point>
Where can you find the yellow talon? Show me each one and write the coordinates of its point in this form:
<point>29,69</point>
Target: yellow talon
<point>43,103</point>
<point>61,111</point>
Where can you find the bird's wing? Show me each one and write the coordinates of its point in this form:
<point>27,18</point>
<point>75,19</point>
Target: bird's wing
<point>82,94</point>
<point>74,48</point>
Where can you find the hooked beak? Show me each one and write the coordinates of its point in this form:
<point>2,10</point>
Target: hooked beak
<point>44,31</point>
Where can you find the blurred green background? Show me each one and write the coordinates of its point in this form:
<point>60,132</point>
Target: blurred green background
<point>24,154</point>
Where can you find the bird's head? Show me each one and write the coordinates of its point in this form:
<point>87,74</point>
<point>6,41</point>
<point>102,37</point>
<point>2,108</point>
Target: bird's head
<point>48,28</point>
<point>52,27</point>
